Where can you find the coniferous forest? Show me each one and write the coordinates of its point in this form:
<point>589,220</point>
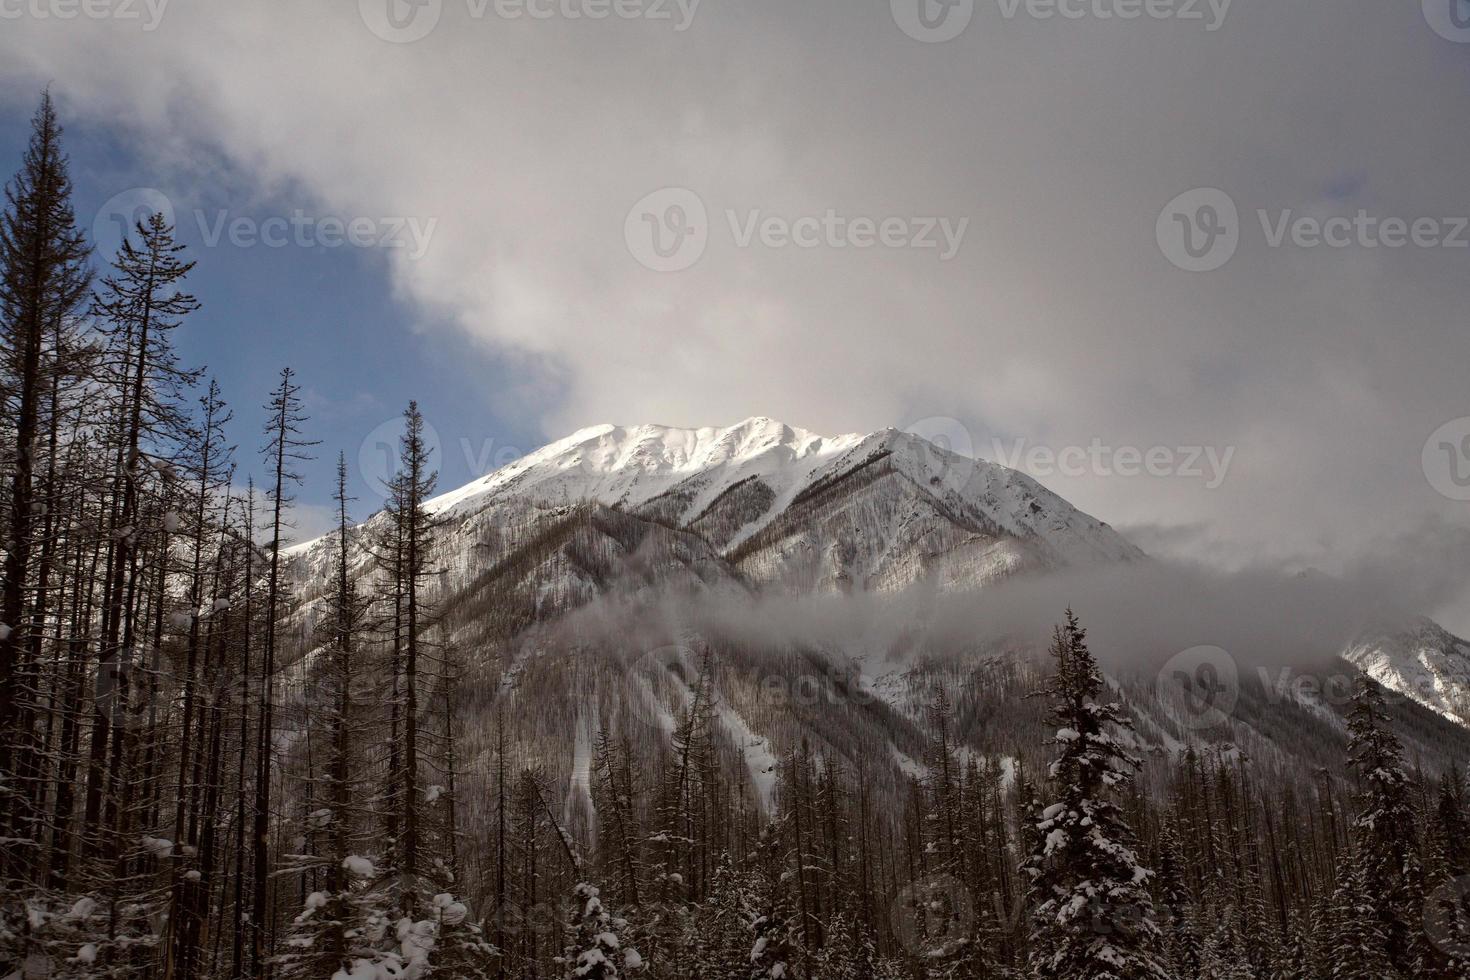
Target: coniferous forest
<point>199,781</point>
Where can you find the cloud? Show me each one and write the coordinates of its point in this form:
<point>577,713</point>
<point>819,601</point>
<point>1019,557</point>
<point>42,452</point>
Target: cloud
<point>1138,614</point>
<point>1059,319</point>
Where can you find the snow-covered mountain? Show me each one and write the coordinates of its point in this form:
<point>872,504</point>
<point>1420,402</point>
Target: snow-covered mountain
<point>570,579</point>
<point>784,504</point>
<point>1423,661</point>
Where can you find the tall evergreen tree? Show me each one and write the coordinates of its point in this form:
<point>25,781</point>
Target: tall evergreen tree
<point>285,449</point>
<point>44,279</point>
<point>1385,829</point>
<point>1092,916</point>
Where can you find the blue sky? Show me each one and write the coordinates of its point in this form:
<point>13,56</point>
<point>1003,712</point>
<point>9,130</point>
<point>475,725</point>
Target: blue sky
<point>328,312</point>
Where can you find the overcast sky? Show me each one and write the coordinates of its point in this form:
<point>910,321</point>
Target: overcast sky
<point>538,156</point>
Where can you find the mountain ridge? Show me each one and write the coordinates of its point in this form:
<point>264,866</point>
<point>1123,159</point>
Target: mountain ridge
<point>680,475</point>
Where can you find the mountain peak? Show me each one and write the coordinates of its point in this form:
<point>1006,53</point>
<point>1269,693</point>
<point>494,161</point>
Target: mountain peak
<point>687,470</point>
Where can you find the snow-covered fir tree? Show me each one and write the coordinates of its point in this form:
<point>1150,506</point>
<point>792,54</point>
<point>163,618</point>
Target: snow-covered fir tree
<point>596,948</point>
<point>1387,862</point>
<point>1092,916</point>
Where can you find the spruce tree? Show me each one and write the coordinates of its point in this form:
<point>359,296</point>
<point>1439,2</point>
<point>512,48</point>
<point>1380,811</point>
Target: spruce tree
<point>44,278</point>
<point>284,450</point>
<point>595,947</point>
<point>1092,916</point>
<point>1385,828</point>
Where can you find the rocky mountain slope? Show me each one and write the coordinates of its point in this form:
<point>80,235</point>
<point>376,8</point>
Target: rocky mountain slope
<point>1422,661</point>
<point>586,583</point>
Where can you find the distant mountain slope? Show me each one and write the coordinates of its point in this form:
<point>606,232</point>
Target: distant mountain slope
<point>567,576</point>
<point>768,495</point>
<point>1422,661</point>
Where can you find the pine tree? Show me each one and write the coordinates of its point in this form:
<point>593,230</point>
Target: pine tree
<point>774,947</point>
<point>1092,917</point>
<point>406,552</point>
<point>210,471</point>
<point>616,790</point>
<point>285,449</point>
<point>1384,830</point>
<point>318,942</point>
<point>1354,939</point>
<point>595,948</point>
<point>43,279</point>
<point>1181,935</point>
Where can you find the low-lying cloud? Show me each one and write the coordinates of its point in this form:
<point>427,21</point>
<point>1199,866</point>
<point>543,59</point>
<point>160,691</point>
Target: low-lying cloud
<point>1139,614</point>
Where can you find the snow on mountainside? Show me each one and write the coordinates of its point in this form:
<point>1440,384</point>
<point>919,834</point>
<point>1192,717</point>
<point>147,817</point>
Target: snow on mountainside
<point>732,483</point>
<point>1424,662</point>
<point>558,571</point>
<point>625,467</point>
